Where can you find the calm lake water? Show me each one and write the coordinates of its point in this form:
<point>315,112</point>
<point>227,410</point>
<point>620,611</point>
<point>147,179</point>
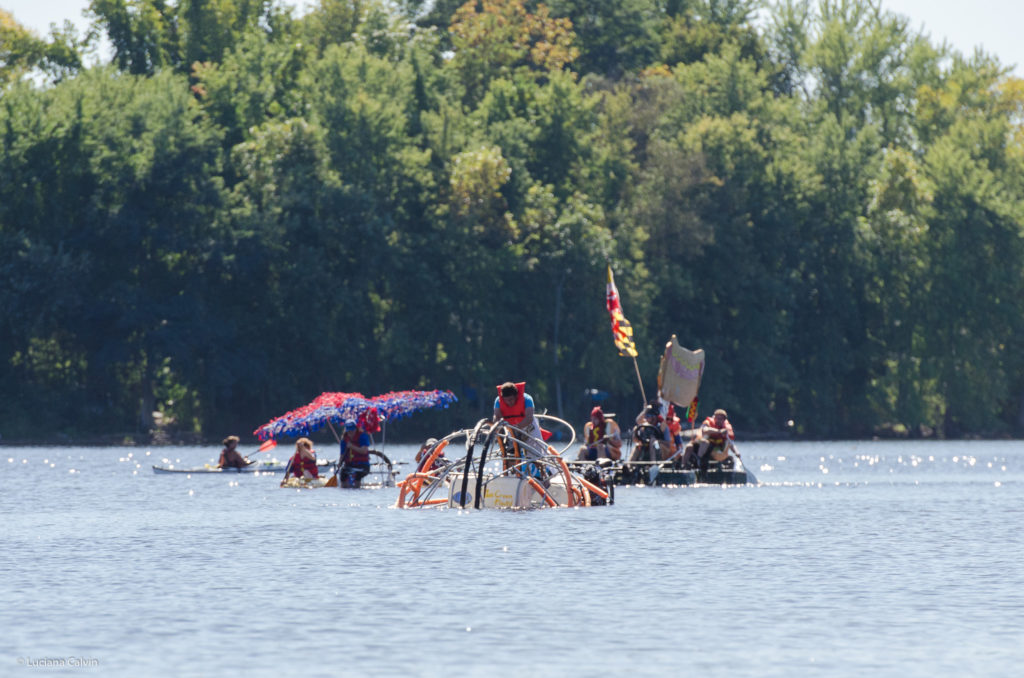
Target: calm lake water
<point>849,559</point>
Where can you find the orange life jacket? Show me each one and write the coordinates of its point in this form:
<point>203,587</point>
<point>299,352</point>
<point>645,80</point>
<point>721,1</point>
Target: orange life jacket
<point>718,438</point>
<point>597,432</point>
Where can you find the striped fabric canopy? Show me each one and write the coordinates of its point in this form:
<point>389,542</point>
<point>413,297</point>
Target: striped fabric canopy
<point>336,407</point>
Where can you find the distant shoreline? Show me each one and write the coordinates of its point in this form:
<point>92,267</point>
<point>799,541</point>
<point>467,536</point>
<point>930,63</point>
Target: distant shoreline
<point>163,439</point>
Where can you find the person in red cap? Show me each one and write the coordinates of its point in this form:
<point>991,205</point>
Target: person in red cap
<point>601,438</point>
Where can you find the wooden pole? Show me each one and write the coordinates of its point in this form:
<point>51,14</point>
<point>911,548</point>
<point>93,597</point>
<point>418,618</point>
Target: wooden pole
<point>640,381</point>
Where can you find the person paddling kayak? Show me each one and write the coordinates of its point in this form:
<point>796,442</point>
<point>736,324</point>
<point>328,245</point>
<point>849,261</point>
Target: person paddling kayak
<point>229,456</point>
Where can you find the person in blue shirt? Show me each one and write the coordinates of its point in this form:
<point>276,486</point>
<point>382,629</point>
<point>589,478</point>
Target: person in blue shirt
<point>515,406</point>
<point>355,455</point>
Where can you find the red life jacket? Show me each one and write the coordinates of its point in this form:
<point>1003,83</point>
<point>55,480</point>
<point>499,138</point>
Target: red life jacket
<point>517,411</point>
<point>300,465</point>
<point>352,438</point>
<point>597,432</point>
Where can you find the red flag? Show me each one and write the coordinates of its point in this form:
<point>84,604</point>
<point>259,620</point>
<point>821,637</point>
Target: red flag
<point>622,331</point>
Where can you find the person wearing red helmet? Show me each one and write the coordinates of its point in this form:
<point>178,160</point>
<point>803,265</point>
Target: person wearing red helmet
<point>602,438</point>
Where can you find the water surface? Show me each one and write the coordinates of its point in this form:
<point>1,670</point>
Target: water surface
<point>849,559</point>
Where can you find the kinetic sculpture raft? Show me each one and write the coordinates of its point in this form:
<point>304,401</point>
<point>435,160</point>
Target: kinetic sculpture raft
<point>502,468</point>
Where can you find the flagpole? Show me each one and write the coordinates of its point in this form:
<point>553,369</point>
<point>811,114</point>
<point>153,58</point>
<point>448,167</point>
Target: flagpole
<point>640,381</point>
<point>622,332</point>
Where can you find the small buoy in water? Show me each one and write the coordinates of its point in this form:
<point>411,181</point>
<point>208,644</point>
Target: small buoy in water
<point>468,629</point>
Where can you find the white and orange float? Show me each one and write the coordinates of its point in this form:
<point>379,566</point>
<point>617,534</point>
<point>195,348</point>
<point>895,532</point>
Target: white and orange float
<point>503,467</point>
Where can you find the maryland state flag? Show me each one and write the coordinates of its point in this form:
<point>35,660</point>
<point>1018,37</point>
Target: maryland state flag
<point>622,331</point>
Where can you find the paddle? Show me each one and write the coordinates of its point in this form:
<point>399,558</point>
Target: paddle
<point>751,478</point>
<point>287,470</point>
<point>654,470</point>
<point>603,439</point>
<point>333,480</point>
<point>265,447</point>
<point>646,437</point>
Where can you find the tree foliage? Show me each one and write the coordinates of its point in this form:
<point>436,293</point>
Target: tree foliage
<point>250,205</point>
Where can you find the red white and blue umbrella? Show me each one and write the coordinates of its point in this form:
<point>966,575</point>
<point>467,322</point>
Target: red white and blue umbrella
<point>334,407</point>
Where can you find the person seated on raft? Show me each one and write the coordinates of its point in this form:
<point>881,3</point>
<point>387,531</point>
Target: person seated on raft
<point>515,406</point>
<point>229,456</point>
<point>716,436</point>
<point>303,462</point>
<point>601,437</point>
<point>688,459</point>
<point>675,426</point>
<point>355,454</point>
<point>426,449</point>
<point>643,433</point>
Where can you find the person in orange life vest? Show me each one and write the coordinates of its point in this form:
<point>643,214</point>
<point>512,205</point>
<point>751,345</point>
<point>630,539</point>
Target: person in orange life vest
<point>303,462</point>
<point>355,454</point>
<point>651,426</point>
<point>675,426</point>
<point>229,456</point>
<point>716,434</point>
<point>602,438</point>
<point>515,406</point>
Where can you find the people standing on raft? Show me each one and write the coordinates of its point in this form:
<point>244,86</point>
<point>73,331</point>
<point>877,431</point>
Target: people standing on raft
<point>602,438</point>
<point>229,456</point>
<point>303,462</point>
<point>355,454</point>
<point>515,406</point>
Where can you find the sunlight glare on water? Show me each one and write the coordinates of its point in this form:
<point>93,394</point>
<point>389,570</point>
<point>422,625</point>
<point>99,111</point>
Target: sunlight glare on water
<point>849,559</point>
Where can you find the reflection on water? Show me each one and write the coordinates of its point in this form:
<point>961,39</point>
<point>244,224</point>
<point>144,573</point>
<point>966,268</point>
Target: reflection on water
<point>849,559</point>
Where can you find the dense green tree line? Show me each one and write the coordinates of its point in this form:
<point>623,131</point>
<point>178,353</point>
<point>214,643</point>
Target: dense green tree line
<point>247,207</point>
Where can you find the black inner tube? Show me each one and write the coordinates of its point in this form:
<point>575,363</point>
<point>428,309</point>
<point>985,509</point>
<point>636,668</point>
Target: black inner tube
<point>470,444</point>
<point>483,460</point>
